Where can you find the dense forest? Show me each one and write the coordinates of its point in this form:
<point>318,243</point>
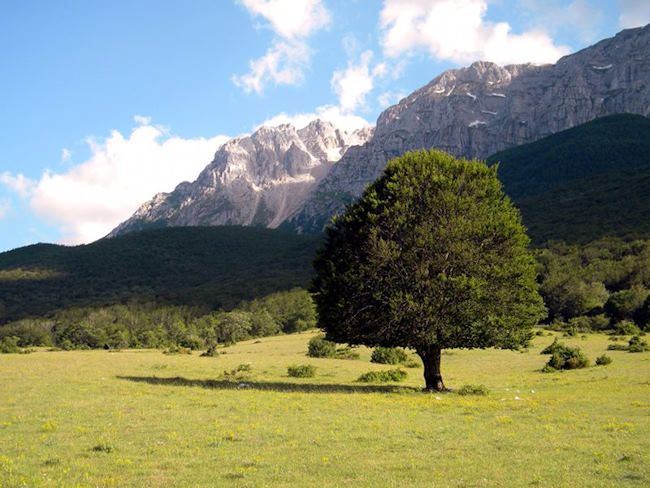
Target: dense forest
<point>583,183</point>
<point>205,267</point>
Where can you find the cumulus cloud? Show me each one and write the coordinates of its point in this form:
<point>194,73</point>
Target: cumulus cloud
<point>19,183</point>
<point>634,13</point>
<point>331,113</point>
<point>90,199</point>
<point>455,30</point>
<point>354,83</point>
<point>293,21</point>
<point>291,18</point>
<point>283,63</point>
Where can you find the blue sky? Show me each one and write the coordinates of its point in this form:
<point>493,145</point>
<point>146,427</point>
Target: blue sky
<point>104,104</point>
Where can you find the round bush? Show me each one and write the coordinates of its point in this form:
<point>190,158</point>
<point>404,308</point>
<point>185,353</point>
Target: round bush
<point>603,360</point>
<point>564,357</point>
<point>388,355</point>
<point>301,371</point>
<point>320,348</point>
<point>383,376</point>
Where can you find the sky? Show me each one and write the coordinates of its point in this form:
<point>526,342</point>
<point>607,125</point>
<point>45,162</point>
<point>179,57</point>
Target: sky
<point>104,104</point>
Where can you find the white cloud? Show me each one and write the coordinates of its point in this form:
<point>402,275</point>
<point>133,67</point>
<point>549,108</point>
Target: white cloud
<point>19,183</point>
<point>291,18</point>
<point>390,98</point>
<point>283,63</point>
<point>141,120</point>
<point>66,155</point>
<point>455,30</point>
<point>293,21</point>
<point>634,13</point>
<point>353,84</point>
<point>330,113</point>
<point>93,197</point>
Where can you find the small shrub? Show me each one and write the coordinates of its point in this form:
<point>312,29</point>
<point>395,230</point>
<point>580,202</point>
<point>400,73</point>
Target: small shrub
<point>551,348</point>
<point>637,345</point>
<point>548,369</point>
<point>301,371</point>
<point>473,390</point>
<point>240,373</point>
<point>9,345</point>
<point>603,360</point>
<point>617,347</point>
<point>564,357</point>
<point>388,355</point>
<point>321,348</point>
<point>103,447</point>
<point>211,352</point>
<point>383,376</point>
<point>626,327</point>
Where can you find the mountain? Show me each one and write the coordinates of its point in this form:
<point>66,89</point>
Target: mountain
<point>581,183</point>
<point>256,180</point>
<point>208,267</point>
<point>476,111</point>
<point>298,179</point>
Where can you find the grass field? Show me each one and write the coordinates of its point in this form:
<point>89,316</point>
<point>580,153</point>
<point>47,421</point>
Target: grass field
<point>142,418</point>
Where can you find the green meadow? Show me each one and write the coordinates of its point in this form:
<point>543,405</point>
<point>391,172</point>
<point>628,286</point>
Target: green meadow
<point>143,418</point>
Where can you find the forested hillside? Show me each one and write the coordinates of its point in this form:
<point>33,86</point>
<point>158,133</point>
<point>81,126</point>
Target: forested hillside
<point>583,183</point>
<point>209,267</point>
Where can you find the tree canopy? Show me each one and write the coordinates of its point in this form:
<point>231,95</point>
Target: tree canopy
<point>432,256</point>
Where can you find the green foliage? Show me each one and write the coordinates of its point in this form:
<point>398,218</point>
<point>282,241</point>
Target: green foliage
<point>473,390</point>
<point>603,360</point>
<point>625,327</point>
<point>291,311</point>
<point>9,345</point>
<point>383,376</point>
<point>582,183</point>
<point>301,371</point>
<point>388,355</point>
<point>320,348</point>
<point>206,267</point>
<point>636,344</point>
<point>240,373</point>
<point>432,256</point>
<point>564,357</point>
<point>626,304</point>
<point>347,352</point>
<point>211,351</point>
<point>553,347</point>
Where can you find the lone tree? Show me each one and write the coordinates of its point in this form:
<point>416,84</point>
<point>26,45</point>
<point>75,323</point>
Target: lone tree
<point>433,256</point>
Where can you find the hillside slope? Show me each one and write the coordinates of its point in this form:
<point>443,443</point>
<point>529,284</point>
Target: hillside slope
<point>204,266</point>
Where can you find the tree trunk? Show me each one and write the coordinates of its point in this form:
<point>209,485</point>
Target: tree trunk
<point>431,359</point>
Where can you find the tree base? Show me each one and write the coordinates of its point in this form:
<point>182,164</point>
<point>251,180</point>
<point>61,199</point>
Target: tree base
<point>431,389</point>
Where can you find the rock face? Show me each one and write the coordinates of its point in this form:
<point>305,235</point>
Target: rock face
<point>476,111</point>
<point>282,176</point>
<point>257,180</point>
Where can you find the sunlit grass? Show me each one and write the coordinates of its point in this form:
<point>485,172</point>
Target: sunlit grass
<point>142,418</point>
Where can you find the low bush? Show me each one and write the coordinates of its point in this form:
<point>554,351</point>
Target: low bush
<point>383,376</point>
<point>301,371</point>
<point>177,350</point>
<point>603,360</point>
<point>564,357</point>
<point>617,347</point>
<point>637,345</point>
<point>411,363</point>
<point>321,348</point>
<point>626,327</point>
<point>240,373</point>
<point>473,390</point>
<point>211,352</point>
<point>9,345</point>
<point>388,355</point>
<point>552,347</point>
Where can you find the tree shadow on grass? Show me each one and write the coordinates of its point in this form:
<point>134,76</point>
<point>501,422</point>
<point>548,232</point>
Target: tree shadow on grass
<point>268,385</point>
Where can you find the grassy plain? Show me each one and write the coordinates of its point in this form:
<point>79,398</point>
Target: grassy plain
<point>142,418</point>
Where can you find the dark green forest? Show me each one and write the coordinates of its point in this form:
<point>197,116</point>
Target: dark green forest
<point>583,183</point>
<point>205,267</point>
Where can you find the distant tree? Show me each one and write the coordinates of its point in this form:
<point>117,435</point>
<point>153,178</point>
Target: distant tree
<point>433,256</point>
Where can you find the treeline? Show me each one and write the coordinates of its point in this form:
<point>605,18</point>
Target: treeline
<point>149,325</point>
<point>603,285</point>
